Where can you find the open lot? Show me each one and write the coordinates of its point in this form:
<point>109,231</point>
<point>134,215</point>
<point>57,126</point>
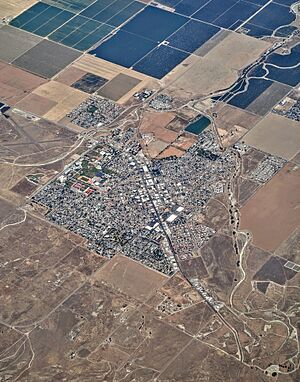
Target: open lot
<point>210,360</point>
<point>232,123</point>
<point>154,148</point>
<point>70,75</point>
<point>290,248</point>
<point>184,142</point>
<point>48,274</point>
<point>133,342</point>
<point>170,152</point>
<point>274,270</point>
<point>101,68</point>
<point>215,267</point>
<point>89,83</point>
<point>229,116</point>
<point>271,214</point>
<point>156,123</point>
<point>276,135</point>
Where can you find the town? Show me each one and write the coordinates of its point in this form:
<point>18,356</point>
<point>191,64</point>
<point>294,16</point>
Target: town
<point>122,202</point>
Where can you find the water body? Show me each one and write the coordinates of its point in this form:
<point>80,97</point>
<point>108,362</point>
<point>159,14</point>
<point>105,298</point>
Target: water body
<point>198,126</point>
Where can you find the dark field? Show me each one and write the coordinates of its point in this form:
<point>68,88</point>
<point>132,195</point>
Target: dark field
<point>270,18</point>
<point>192,35</point>
<point>16,83</point>
<point>89,83</point>
<point>268,99</point>
<point>255,89</point>
<point>15,42</point>
<point>46,59</point>
<point>160,61</point>
<point>274,270</point>
<point>118,86</point>
<point>124,48</point>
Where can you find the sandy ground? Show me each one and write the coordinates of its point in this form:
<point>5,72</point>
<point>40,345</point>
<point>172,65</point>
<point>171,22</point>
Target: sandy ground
<point>228,116</point>
<point>130,277</point>
<point>155,148</point>
<point>276,135</point>
<point>102,68</point>
<point>15,83</point>
<point>36,104</point>
<point>171,151</point>
<point>273,213</point>
<point>118,87</point>
<point>62,97</point>
<point>184,142</point>
<point>70,75</point>
<point>14,7</point>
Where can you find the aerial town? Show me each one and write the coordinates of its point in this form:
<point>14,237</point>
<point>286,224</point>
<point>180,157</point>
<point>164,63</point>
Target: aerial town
<point>149,190</point>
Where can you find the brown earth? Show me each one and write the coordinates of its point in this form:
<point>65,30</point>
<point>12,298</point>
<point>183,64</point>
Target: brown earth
<point>155,123</point>
<point>15,83</point>
<point>130,277</point>
<point>171,151</point>
<point>272,214</point>
<point>276,135</point>
<point>36,104</point>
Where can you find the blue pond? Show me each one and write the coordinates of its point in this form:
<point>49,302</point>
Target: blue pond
<point>124,49</point>
<point>160,61</point>
<point>258,71</point>
<point>198,125</point>
<point>240,11</point>
<point>256,31</point>
<point>286,2</point>
<point>285,31</point>
<point>288,71</point>
<point>192,35</point>
<point>273,16</point>
<point>213,9</point>
<point>286,59</point>
<point>286,76</point>
<point>155,24</point>
<point>188,7</point>
<point>256,88</point>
